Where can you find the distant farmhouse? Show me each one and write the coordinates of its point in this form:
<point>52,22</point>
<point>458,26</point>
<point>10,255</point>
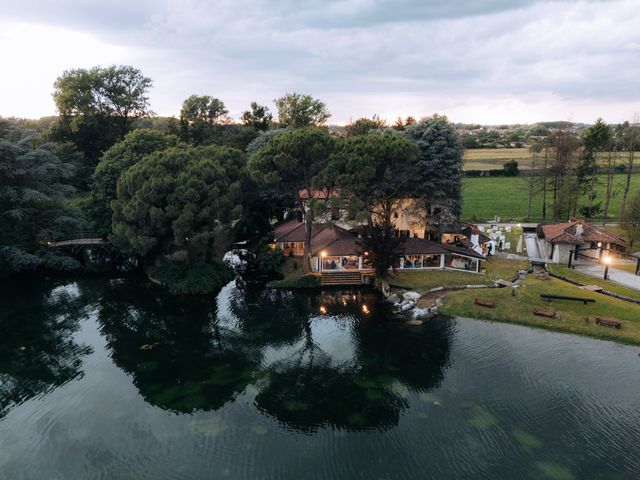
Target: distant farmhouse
<point>557,240</point>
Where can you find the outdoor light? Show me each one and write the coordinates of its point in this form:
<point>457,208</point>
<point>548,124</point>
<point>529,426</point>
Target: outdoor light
<point>366,253</point>
<point>519,225</point>
<point>607,261</point>
<point>323,254</point>
<point>365,309</point>
<point>599,244</point>
<point>323,309</point>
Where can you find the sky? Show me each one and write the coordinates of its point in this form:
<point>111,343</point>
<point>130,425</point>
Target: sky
<point>476,61</point>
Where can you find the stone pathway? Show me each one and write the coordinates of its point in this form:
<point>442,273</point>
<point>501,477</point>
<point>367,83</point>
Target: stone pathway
<point>622,277</point>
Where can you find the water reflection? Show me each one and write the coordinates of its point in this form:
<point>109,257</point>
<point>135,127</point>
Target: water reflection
<point>314,360</point>
<point>180,358</point>
<point>37,351</point>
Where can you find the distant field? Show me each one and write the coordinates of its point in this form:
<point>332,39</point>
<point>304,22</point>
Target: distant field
<point>507,197</point>
<point>495,158</point>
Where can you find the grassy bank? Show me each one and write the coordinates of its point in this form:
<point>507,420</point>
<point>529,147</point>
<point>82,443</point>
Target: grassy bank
<point>507,197</point>
<point>517,309</point>
<point>495,268</point>
<point>591,280</point>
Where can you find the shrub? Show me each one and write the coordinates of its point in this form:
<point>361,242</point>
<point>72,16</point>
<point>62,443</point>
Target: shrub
<point>510,168</point>
<point>268,260</point>
<point>181,278</point>
<point>308,280</point>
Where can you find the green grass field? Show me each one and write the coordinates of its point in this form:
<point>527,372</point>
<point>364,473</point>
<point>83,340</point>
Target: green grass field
<point>571,315</point>
<point>518,308</point>
<point>495,268</point>
<point>495,158</point>
<point>507,197</point>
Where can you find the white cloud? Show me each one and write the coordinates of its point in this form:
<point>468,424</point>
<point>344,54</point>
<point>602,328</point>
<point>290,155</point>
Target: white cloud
<point>491,62</point>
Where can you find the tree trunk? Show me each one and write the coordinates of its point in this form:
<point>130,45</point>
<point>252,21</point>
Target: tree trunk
<point>544,184</point>
<point>627,186</point>
<point>610,171</point>
<point>306,264</point>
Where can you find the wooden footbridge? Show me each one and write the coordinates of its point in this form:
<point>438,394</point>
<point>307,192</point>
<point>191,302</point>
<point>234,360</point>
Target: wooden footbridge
<point>78,242</point>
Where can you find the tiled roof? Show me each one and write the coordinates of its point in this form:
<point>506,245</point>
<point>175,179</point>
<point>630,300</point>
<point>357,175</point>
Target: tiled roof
<point>463,251</point>
<point>566,237</point>
<point>592,233</point>
<point>334,240</point>
<point>570,233</point>
<point>285,227</point>
<point>418,246</point>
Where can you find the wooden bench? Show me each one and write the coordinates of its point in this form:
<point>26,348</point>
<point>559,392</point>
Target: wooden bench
<point>485,303</point>
<point>543,312</point>
<point>609,322</point>
<point>549,296</point>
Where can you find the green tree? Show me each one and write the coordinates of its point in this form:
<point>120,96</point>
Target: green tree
<point>363,126</point>
<point>299,111</point>
<point>630,139</point>
<point>402,125</point>
<point>596,139</point>
<point>374,174</point>
<point>440,168</point>
<point>631,220</point>
<point>33,192</point>
<point>290,164</point>
<point>511,168</point>
<point>97,107</point>
<point>119,92</point>
<point>174,195</point>
<point>115,161</point>
<point>259,117</point>
<point>563,152</point>
<point>199,116</point>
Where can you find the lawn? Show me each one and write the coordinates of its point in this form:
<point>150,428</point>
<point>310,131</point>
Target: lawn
<point>507,197</point>
<point>591,280</point>
<point>496,268</point>
<point>517,309</point>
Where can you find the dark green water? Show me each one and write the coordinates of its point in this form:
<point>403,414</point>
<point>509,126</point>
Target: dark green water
<point>110,379</point>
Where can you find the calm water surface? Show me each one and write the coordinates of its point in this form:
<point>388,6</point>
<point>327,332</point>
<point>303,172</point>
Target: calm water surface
<point>110,379</point>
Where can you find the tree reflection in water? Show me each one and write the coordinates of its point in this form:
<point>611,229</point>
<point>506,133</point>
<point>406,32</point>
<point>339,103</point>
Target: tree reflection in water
<point>178,355</point>
<point>38,352</point>
<point>189,354</point>
<point>310,389</point>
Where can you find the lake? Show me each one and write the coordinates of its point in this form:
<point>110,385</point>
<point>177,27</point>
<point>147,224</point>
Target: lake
<point>112,378</point>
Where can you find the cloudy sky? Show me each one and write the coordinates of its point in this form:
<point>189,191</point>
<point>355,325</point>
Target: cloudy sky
<point>485,61</point>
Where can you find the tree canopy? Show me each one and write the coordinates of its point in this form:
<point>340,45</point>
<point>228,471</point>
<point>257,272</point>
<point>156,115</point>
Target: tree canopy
<point>115,161</point>
<point>289,165</point>
<point>119,92</point>
<point>33,189</point>
<point>97,107</point>
<point>440,167</point>
<point>375,174</point>
<point>259,117</point>
<point>299,111</point>
<point>175,194</point>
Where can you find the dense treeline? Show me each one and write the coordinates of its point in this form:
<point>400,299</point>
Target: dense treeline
<point>565,170</point>
<point>176,192</point>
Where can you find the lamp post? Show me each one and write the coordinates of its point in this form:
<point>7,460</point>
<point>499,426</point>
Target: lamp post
<point>606,260</point>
